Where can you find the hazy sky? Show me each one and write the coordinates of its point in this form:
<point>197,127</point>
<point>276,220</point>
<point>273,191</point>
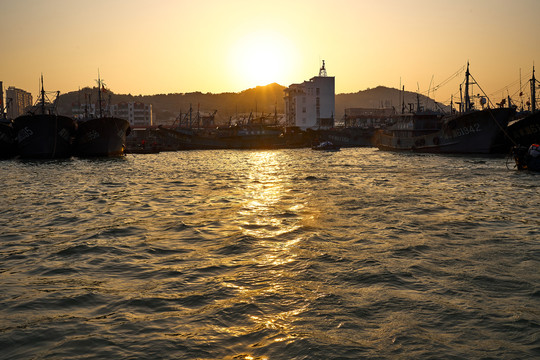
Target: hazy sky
<point>171,46</point>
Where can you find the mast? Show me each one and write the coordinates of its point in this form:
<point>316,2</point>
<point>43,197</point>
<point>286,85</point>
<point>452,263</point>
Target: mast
<point>467,98</point>
<point>86,101</point>
<point>403,100</point>
<point>79,104</point>
<point>2,113</point>
<point>55,102</point>
<point>198,115</point>
<point>99,96</point>
<point>520,90</point>
<point>190,119</point>
<point>460,98</point>
<point>42,96</point>
<point>533,92</point>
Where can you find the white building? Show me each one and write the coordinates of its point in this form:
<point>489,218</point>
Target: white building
<point>311,104</point>
<point>138,114</point>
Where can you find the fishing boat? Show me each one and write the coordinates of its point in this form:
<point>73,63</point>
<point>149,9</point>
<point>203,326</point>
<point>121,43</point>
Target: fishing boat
<point>42,133</point>
<point>7,134</point>
<point>469,131</point>
<point>525,135</point>
<point>525,130</point>
<point>101,137</point>
<point>104,136</point>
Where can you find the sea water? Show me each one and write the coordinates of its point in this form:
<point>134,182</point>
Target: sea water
<point>285,254</point>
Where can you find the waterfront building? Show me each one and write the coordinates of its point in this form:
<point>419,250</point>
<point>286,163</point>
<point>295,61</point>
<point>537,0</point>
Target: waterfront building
<point>367,118</point>
<point>18,101</point>
<point>84,111</point>
<point>311,104</point>
<point>138,114</point>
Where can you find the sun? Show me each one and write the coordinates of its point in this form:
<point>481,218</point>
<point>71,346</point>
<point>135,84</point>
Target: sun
<point>261,58</point>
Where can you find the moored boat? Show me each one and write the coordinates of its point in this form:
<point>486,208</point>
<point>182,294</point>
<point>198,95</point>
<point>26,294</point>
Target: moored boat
<point>471,131</point>
<point>104,136</point>
<point>101,137</point>
<point>525,135</point>
<point>525,130</point>
<point>43,134</point>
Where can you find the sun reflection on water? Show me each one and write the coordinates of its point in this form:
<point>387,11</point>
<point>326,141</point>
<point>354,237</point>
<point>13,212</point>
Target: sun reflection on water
<point>263,210</point>
<point>270,215</point>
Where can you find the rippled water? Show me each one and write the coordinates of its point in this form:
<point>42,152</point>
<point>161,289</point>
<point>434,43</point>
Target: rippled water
<point>289,254</point>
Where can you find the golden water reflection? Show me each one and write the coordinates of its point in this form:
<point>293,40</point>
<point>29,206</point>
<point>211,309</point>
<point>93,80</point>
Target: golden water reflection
<point>272,215</point>
<point>264,212</point>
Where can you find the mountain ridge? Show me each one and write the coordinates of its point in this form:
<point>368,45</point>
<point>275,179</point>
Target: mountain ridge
<point>265,99</point>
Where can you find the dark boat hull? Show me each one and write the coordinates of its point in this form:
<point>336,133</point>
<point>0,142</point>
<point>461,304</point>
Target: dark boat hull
<point>102,137</point>
<point>525,131</point>
<point>44,136</point>
<point>474,132</point>
<point>8,144</point>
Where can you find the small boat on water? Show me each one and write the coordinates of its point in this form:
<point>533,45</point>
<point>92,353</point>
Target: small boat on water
<point>104,136</point>
<point>470,131</point>
<point>326,146</point>
<point>527,158</point>
<point>43,134</point>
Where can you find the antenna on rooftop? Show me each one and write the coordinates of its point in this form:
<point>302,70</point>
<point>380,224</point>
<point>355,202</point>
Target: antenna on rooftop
<point>322,71</point>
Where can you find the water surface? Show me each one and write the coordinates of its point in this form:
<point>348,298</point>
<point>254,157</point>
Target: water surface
<point>287,254</point>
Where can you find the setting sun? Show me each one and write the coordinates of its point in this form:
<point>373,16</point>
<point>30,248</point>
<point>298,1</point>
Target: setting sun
<point>261,58</point>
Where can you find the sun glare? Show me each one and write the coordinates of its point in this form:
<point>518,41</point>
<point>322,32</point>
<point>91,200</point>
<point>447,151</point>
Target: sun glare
<point>260,58</point>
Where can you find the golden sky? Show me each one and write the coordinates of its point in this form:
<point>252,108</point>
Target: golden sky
<point>176,46</point>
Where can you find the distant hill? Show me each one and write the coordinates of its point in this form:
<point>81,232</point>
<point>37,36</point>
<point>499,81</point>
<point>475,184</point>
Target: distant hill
<point>261,99</point>
<point>382,97</point>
